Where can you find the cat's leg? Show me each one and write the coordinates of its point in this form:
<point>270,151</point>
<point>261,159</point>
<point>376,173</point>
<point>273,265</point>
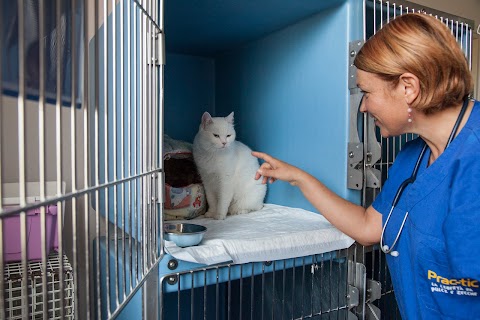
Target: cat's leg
<point>219,200</point>
<point>212,203</point>
<point>225,196</point>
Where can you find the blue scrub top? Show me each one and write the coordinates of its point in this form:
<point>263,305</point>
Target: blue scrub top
<point>437,272</point>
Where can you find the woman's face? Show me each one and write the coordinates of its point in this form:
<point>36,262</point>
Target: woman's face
<point>386,104</point>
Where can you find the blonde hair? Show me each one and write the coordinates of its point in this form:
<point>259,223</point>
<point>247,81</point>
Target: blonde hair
<point>419,44</point>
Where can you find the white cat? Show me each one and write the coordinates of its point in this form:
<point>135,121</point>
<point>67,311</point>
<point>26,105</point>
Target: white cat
<point>227,169</point>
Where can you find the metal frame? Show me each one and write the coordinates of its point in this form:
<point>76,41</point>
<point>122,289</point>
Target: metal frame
<point>13,289</point>
<point>369,171</point>
<point>102,138</point>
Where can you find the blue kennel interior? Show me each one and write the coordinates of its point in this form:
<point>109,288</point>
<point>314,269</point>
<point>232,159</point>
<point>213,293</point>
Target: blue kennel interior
<point>281,66</point>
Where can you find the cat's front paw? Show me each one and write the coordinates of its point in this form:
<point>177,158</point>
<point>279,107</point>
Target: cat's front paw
<point>242,211</point>
<point>210,214</point>
<point>214,215</point>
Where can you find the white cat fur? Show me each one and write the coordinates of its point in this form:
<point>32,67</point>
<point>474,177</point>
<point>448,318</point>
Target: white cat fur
<point>227,169</point>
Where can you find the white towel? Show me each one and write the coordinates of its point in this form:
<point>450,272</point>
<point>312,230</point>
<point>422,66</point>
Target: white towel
<point>273,233</point>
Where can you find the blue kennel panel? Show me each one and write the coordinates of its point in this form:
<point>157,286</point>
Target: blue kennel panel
<point>282,67</point>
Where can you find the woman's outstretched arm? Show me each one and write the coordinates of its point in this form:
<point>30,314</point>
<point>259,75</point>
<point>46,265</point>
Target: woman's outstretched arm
<point>363,225</point>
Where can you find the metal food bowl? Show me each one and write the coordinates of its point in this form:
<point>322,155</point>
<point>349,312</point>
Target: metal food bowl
<point>184,234</point>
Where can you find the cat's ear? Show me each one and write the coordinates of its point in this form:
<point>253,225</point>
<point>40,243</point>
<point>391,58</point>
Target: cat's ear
<point>206,119</point>
<point>229,118</point>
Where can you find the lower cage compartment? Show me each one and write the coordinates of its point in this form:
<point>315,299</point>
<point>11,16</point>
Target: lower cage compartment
<point>313,287</point>
<point>14,288</point>
<point>307,287</point>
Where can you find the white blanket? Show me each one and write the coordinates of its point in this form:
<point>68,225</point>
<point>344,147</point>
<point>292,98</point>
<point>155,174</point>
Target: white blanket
<point>273,233</point>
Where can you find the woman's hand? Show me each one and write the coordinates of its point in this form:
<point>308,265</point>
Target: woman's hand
<point>273,169</point>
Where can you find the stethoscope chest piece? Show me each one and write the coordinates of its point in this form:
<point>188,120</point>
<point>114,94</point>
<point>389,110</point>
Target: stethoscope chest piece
<point>386,249</point>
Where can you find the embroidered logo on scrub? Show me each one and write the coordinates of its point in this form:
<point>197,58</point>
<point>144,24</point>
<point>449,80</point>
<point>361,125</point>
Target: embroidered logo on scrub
<point>461,287</point>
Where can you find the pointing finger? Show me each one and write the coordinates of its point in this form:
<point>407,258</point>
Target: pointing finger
<point>263,156</point>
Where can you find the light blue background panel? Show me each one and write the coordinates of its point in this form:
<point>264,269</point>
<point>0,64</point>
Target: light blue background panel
<point>288,89</point>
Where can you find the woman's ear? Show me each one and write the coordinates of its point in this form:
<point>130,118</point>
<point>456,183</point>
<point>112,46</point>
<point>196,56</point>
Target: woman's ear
<point>411,86</point>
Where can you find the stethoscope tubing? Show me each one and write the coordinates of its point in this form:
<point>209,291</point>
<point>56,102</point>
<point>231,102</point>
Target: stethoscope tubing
<point>403,186</point>
<point>390,250</point>
<point>385,248</point>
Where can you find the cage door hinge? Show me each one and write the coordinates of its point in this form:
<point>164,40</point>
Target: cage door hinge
<point>352,297</point>
<point>353,48</point>
<point>361,155</point>
<point>355,147</point>
<point>351,316</point>
<point>373,292</point>
<point>357,279</point>
<point>372,312</point>
<point>160,186</point>
<point>156,48</point>
<point>372,155</point>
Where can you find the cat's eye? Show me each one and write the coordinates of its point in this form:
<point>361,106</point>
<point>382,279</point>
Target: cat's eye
<point>216,135</point>
<point>229,135</point>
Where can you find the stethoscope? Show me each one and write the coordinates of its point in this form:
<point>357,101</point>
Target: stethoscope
<point>389,249</point>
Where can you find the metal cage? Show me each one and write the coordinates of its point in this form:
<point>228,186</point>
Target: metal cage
<point>81,106</point>
<point>13,289</point>
<point>81,114</point>
<point>378,152</point>
<point>312,287</point>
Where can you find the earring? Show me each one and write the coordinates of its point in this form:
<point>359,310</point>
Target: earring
<point>409,110</point>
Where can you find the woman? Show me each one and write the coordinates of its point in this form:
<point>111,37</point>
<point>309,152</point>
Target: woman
<point>415,79</point>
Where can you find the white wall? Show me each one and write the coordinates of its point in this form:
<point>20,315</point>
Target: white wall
<point>469,9</point>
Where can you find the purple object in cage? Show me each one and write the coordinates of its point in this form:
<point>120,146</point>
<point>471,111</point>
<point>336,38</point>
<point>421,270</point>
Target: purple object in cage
<point>11,234</point>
